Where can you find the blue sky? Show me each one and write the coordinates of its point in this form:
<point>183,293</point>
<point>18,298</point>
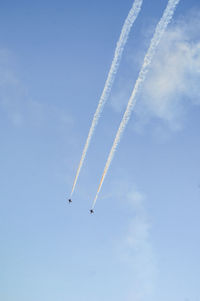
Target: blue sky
<point>142,243</point>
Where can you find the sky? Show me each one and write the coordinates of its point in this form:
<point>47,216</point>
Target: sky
<point>143,242</point>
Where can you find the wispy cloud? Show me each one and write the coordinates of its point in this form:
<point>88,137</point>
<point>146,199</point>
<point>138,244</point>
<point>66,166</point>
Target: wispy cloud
<point>11,90</point>
<point>17,104</point>
<point>137,249</point>
<point>173,83</point>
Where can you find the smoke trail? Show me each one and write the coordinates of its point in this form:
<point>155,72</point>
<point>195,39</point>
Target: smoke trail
<point>132,16</point>
<point>160,29</point>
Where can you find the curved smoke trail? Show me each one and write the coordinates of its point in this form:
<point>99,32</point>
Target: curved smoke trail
<point>160,29</point>
<point>132,16</point>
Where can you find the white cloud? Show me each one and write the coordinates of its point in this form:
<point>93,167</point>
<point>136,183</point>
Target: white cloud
<point>135,198</point>
<point>136,249</point>
<point>140,251</point>
<point>173,82</point>
<point>172,85</point>
<point>16,103</point>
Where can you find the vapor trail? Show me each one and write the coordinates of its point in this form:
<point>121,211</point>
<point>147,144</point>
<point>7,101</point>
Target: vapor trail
<point>132,16</point>
<point>159,31</point>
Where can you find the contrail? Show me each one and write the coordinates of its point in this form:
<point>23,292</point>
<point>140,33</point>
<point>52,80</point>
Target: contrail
<point>132,16</point>
<point>159,31</point>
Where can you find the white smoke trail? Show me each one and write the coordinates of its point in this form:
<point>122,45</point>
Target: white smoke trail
<point>160,29</point>
<point>132,16</point>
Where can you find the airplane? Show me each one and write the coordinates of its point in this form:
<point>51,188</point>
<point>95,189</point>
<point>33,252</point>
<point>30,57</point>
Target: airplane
<point>91,211</point>
<point>70,201</point>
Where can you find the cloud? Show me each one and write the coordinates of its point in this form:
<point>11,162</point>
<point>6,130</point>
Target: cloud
<point>136,248</point>
<point>17,104</point>
<point>140,251</point>
<point>172,85</point>
<point>173,82</point>
<point>11,90</point>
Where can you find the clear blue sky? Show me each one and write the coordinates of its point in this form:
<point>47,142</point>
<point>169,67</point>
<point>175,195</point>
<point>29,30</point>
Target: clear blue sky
<point>143,242</point>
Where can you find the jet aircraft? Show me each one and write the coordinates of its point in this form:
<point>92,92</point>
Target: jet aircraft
<point>91,211</point>
<point>70,201</point>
